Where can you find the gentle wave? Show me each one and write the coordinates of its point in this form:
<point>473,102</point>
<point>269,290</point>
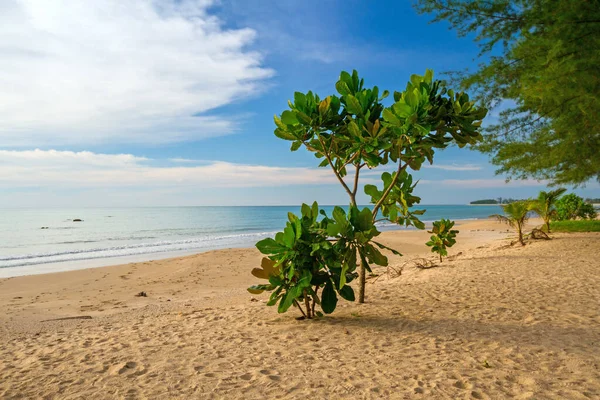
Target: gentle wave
<point>132,249</point>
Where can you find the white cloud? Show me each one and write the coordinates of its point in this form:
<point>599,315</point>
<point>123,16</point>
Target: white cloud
<point>120,71</point>
<point>454,167</point>
<point>66,169</point>
<point>484,183</point>
<point>188,161</point>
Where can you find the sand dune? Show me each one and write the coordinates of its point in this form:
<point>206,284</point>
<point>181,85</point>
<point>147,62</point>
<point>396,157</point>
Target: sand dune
<point>494,322</point>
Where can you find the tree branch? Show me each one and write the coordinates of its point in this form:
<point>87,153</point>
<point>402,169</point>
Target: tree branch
<point>355,188</point>
<point>335,171</point>
<point>389,188</point>
<point>300,308</point>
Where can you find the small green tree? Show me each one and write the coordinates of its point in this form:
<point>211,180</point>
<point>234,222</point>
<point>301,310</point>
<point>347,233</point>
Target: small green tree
<point>545,205</point>
<point>443,237</point>
<point>355,130</point>
<point>516,215</point>
<point>571,206</point>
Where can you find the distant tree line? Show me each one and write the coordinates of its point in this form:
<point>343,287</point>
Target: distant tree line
<point>499,200</point>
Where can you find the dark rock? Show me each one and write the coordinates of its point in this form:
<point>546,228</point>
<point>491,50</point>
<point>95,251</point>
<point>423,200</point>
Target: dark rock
<point>77,220</point>
<point>44,227</point>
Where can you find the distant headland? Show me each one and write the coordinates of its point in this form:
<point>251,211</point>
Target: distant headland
<point>500,200</point>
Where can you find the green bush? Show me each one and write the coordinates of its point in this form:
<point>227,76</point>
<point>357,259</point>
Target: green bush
<point>572,206</point>
<point>312,255</point>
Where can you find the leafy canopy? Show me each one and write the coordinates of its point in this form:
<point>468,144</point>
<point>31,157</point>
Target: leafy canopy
<point>353,130</point>
<point>545,59</point>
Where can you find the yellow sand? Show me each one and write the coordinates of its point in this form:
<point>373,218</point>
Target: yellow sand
<point>494,322</point>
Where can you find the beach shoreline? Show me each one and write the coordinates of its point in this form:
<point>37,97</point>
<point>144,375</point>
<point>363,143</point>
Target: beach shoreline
<point>106,261</point>
<point>492,321</point>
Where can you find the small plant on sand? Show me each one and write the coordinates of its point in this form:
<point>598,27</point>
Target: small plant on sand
<point>443,237</point>
<point>315,254</point>
<point>545,205</point>
<point>354,131</point>
<point>516,215</point>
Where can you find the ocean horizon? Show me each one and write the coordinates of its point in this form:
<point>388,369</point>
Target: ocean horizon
<point>34,240</point>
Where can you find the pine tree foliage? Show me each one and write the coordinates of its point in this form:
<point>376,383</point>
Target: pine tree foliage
<point>543,57</point>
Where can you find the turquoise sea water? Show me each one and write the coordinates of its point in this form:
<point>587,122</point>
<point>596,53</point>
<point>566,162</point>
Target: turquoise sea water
<point>108,233</point>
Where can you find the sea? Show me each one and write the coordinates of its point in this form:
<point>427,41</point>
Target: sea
<point>34,241</point>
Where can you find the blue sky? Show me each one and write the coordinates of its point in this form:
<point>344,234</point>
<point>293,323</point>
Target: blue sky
<point>171,103</point>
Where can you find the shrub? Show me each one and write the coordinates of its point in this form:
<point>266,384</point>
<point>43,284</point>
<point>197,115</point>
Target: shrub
<point>571,206</point>
<point>313,255</point>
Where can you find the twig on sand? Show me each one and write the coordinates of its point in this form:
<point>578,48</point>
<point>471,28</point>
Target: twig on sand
<point>423,263</point>
<point>68,318</point>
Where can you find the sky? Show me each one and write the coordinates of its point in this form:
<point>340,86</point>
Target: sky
<point>171,102</point>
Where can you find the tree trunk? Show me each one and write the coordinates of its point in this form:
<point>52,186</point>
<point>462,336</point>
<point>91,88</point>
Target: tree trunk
<point>548,225</point>
<point>521,237</point>
<point>440,258</point>
<point>362,279</point>
<point>307,305</point>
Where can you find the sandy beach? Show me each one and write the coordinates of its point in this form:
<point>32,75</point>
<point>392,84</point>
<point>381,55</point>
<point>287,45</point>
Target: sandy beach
<point>491,322</point>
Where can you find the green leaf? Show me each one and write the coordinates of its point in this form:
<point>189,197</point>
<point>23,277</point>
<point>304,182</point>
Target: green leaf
<point>375,256</point>
<point>296,145</point>
<point>286,301</point>
<point>324,105</point>
<point>285,135</point>
<point>353,105</point>
<point>418,224</point>
<point>258,289</point>
<point>346,78</point>
<point>328,298</point>
<point>333,229</point>
<point>347,293</point>
<point>289,117</point>
<point>342,88</point>
<point>300,100</point>
<point>315,210</point>
<point>382,246</point>
<point>289,236</point>
<point>275,296</point>
<point>389,116</point>
<point>402,110</point>
<point>371,190</point>
<point>303,118</point>
<point>306,211</point>
<point>270,246</point>
<point>353,129</point>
